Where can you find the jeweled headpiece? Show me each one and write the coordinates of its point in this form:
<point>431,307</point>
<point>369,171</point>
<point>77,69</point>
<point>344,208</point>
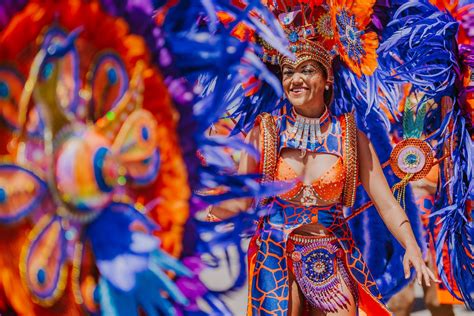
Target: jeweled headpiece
<point>319,30</point>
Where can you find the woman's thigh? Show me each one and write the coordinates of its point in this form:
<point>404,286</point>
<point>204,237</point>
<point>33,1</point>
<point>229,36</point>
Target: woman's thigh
<point>296,301</point>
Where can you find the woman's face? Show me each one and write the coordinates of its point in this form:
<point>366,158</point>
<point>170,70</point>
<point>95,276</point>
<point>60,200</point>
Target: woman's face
<point>304,85</point>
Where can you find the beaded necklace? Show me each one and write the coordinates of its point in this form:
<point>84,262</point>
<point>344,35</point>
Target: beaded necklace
<point>307,130</point>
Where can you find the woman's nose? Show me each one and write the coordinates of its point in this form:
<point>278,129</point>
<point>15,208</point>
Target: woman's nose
<point>297,77</point>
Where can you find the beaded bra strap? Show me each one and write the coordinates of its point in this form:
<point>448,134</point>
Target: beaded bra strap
<point>269,145</point>
<point>349,131</point>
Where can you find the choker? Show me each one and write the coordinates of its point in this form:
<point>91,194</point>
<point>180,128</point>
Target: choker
<point>307,131</point>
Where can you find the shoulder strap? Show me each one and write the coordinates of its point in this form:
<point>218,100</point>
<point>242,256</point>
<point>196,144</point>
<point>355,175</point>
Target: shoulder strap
<point>269,147</point>
<point>349,132</point>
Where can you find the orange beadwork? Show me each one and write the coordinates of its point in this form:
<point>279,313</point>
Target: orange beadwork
<point>351,165</point>
<point>269,141</point>
<point>412,154</point>
<point>327,188</point>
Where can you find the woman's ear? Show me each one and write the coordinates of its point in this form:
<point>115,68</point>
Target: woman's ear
<point>328,94</point>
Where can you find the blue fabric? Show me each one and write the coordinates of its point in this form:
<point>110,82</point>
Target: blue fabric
<point>131,266</point>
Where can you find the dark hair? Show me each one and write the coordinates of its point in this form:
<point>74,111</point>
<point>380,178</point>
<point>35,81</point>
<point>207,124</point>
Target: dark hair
<point>329,95</point>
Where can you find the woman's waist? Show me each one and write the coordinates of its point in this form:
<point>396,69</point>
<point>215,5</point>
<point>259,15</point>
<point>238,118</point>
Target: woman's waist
<point>278,202</point>
<point>312,230</point>
<point>292,216</point>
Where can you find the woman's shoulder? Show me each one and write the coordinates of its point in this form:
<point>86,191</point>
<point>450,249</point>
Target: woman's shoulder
<point>268,119</point>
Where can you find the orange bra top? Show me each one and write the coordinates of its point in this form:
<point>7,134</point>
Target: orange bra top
<point>326,189</point>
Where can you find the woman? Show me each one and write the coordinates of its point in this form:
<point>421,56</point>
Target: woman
<point>303,259</point>
<point>313,206</point>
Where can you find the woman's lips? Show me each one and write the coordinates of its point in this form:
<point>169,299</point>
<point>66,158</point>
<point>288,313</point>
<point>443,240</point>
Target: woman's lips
<point>298,91</point>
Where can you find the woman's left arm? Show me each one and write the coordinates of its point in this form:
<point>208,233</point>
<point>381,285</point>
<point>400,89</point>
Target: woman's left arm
<point>394,217</point>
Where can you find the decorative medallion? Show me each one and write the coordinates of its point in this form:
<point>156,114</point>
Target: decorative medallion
<point>411,156</point>
<point>319,265</point>
<point>324,26</point>
<point>350,35</point>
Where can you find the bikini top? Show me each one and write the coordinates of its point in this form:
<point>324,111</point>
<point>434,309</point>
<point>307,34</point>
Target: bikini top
<point>326,189</point>
<point>336,184</point>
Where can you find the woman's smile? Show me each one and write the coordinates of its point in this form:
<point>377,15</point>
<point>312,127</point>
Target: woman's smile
<point>298,91</point>
<point>304,87</point>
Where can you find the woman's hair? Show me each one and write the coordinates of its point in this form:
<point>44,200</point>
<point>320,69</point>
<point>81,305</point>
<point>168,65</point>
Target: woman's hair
<point>329,95</point>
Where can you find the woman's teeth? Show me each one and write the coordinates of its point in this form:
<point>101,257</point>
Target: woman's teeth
<point>297,90</point>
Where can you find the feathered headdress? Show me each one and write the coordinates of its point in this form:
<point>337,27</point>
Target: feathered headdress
<point>321,30</point>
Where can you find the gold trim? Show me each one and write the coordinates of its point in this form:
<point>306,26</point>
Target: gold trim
<point>350,160</point>
<point>309,51</point>
<point>422,146</point>
<point>269,143</point>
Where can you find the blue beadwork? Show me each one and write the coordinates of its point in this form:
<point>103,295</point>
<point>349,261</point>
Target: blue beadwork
<point>145,133</point>
<point>4,90</point>
<point>3,195</point>
<point>41,276</point>
<point>48,70</point>
<point>350,35</point>
<point>112,75</point>
<point>99,160</point>
<point>293,36</point>
<point>323,259</point>
<point>411,159</point>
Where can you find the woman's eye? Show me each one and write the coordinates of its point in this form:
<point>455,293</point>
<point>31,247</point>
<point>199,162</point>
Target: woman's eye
<point>308,71</point>
<point>288,73</point>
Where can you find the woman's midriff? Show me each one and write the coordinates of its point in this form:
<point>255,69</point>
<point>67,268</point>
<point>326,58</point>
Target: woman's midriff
<point>311,230</point>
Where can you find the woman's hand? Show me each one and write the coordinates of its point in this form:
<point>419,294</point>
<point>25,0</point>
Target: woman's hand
<point>413,258</point>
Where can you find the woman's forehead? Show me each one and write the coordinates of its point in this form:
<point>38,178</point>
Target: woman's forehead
<point>303,64</point>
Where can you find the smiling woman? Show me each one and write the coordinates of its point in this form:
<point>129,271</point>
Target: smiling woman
<point>303,259</point>
<point>305,84</point>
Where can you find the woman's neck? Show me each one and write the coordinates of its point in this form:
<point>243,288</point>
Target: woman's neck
<point>311,112</point>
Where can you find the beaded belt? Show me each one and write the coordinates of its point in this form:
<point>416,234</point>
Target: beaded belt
<point>320,272</point>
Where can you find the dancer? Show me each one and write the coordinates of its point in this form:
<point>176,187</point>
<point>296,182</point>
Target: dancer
<point>303,258</point>
<point>91,159</point>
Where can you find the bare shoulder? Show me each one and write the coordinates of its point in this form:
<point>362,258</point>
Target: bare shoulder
<point>362,137</point>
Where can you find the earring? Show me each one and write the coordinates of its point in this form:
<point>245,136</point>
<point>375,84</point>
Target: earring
<point>326,87</point>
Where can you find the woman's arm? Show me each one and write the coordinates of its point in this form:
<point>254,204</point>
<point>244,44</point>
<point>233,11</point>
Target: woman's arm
<point>392,214</point>
<point>247,165</point>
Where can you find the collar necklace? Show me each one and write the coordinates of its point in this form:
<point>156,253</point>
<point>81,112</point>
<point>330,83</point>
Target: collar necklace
<point>307,130</point>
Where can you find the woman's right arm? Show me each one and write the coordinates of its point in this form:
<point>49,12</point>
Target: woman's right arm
<point>247,164</point>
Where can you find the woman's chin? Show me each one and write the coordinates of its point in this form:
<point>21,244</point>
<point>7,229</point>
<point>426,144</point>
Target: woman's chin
<point>297,102</point>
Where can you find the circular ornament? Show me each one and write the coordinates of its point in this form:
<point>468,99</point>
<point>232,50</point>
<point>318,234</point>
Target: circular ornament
<point>411,156</point>
<point>320,265</point>
<point>296,256</point>
<point>324,26</point>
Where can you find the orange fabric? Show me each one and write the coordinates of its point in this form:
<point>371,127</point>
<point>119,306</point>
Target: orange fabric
<point>362,11</point>
<point>19,38</point>
<point>328,186</point>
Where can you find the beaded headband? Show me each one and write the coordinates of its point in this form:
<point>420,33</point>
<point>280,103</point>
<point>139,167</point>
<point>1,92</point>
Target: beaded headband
<point>309,51</point>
